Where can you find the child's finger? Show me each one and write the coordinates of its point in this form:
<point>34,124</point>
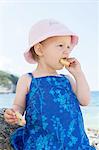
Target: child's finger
<point>12,121</point>
<point>71,60</point>
<point>10,111</point>
<point>10,117</point>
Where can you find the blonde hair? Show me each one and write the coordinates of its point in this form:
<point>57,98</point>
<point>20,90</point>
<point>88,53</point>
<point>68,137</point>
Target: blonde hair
<point>32,50</point>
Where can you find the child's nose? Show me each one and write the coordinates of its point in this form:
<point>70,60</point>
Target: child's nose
<point>66,52</point>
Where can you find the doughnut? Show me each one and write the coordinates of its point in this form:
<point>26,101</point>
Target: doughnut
<point>64,62</point>
<point>21,120</point>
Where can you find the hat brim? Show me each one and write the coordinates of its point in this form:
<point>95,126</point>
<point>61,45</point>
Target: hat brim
<point>28,54</point>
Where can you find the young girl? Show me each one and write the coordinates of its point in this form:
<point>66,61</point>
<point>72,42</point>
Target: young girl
<point>50,100</point>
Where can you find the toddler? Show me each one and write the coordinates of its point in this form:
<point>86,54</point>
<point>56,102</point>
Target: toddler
<point>51,101</point>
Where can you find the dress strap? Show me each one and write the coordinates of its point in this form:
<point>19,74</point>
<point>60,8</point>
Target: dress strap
<point>62,75</point>
<point>30,74</point>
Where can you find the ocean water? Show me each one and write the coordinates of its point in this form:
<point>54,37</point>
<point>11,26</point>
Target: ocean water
<point>90,112</point>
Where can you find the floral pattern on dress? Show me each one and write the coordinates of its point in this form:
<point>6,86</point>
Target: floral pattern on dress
<point>53,118</point>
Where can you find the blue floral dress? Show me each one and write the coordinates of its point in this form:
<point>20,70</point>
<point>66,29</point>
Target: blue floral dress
<point>53,118</point>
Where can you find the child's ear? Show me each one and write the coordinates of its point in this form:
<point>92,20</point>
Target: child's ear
<point>38,49</point>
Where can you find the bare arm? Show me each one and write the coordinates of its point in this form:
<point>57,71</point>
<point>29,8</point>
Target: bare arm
<point>81,88</point>
<point>21,91</point>
<point>80,85</point>
<point>19,101</point>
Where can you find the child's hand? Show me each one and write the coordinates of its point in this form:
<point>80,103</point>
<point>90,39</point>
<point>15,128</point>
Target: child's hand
<point>74,67</point>
<point>10,116</point>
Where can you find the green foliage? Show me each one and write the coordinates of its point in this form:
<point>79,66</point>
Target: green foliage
<point>7,78</point>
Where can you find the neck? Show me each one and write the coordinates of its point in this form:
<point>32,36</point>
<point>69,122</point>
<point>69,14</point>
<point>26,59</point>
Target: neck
<point>42,69</point>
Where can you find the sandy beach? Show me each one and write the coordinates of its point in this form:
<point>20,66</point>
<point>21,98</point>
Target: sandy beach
<point>93,135</point>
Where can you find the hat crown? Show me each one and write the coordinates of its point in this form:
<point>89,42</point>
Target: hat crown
<point>45,27</point>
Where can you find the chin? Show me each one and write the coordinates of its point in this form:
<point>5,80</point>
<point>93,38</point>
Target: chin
<point>60,67</point>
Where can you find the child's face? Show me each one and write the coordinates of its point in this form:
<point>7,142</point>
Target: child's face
<point>54,49</point>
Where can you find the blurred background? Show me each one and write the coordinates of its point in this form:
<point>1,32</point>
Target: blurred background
<point>16,19</point>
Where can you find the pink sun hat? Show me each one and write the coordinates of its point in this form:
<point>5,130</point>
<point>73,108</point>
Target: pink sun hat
<point>45,29</point>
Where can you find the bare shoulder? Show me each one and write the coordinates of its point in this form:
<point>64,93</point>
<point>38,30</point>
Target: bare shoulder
<point>21,91</point>
<point>72,82</point>
<point>24,82</point>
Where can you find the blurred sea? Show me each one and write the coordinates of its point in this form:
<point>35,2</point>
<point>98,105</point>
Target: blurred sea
<point>90,112</point>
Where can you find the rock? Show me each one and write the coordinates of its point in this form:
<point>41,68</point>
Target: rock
<point>5,132</point>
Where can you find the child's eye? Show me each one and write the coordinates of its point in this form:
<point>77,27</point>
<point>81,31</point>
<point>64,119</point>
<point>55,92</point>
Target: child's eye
<point>60,45</point>
<point>68,47</point>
